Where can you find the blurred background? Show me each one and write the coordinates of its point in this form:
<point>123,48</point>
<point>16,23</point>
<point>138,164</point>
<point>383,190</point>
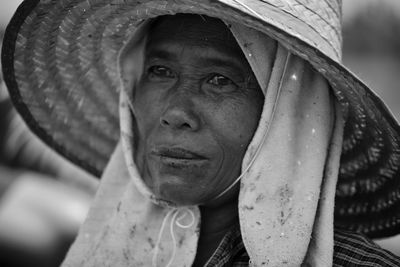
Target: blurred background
<point>42,207</point>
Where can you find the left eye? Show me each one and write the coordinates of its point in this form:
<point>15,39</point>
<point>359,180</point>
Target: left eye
<point>160,72</point>
<point>220,80</point>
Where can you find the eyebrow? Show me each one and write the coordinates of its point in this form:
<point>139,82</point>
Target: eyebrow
<point>223,60</point>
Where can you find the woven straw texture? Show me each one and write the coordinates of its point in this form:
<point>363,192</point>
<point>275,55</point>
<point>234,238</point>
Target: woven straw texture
<point>60,62</point>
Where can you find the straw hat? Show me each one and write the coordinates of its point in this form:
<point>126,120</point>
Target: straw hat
<point>60,63</point>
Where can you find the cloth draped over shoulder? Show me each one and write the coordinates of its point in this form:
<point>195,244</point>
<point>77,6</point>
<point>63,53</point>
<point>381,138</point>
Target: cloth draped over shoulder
<point>288,181</point>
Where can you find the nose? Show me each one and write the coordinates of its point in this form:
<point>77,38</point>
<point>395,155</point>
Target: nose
<point>180,116</point>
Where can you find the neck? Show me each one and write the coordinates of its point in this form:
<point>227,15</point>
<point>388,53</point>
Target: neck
<point>215,220</point>
<point>215,223</point>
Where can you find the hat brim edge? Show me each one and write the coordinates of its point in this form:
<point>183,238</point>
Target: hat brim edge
<point>7,60</point>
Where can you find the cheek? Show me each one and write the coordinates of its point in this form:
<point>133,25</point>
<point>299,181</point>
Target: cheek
<point>233,125</point>
<point>147,107</point>
<point>236,122</point>
<point>147,110</point>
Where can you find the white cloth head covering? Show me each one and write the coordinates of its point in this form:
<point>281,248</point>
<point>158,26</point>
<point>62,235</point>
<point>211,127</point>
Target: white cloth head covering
<point>288,179</point>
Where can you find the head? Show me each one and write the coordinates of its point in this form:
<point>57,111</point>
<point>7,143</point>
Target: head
<point>197,105</point>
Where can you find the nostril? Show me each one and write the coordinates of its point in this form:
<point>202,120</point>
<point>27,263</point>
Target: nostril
<point>186,125</point>
<point>178,119</point>
<point>164,122</point>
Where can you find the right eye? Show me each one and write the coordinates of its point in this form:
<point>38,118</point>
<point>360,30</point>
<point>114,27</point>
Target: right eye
<point>160,72</point>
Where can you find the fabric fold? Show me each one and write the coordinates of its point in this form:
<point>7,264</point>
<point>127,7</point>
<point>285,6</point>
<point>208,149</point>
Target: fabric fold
<point>280,194</point>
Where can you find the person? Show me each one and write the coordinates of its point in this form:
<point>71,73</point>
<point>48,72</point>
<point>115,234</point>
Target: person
<point>242,140</point>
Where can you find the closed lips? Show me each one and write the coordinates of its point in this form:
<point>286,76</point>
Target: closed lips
<point>178,153</point>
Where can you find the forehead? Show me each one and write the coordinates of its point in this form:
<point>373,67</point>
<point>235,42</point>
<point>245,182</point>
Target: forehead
<point>191,30</point>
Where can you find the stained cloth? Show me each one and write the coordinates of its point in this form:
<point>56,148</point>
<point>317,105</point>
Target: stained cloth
<point>288,180</point>
<point>350,249</point>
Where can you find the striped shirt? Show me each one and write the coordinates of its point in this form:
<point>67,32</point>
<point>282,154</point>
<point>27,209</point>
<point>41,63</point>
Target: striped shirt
<point>350,249</point>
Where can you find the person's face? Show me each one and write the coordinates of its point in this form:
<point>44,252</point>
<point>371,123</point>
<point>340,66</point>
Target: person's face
<point>197,105</point>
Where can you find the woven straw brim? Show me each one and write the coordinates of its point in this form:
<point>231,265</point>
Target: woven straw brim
<point>60,63</point>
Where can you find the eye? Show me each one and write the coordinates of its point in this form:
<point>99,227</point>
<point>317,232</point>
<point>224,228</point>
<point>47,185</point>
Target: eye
<point>220,80</point>
<point>159,71</point>
<point>220,83</point>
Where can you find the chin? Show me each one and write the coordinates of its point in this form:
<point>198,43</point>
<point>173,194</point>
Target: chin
<point>182,188</point>
<point>178,194</point>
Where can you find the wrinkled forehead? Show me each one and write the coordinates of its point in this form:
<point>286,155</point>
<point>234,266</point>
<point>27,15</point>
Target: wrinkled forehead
<point>193,30</point>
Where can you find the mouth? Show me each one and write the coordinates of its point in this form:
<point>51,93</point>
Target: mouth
<point>179,154</point>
